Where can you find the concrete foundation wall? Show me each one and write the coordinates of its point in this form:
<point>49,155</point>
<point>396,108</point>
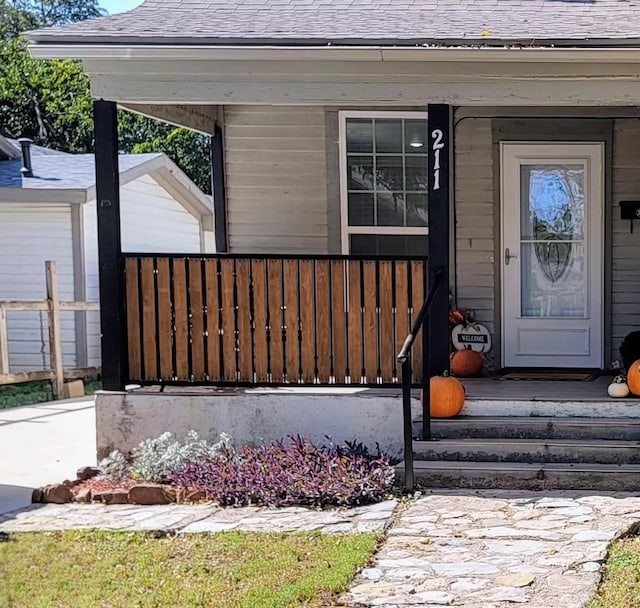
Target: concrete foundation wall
<point>123,420</point>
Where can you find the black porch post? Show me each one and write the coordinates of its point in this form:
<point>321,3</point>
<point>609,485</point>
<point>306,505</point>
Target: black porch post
<point>112,312</point>
<point>436,339</point>
<point>218,189</point>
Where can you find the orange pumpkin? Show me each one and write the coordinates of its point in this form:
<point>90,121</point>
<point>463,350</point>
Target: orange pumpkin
<point>633,377</point>
<point>446,395</point>
<point>467,363</point>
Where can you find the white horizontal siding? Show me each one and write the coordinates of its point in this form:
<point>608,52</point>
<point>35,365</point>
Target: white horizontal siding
<point>474,213</point>
<point>31,234</point>
<point>625,277</point>
<point>276,179</point>
<point>153,221</point>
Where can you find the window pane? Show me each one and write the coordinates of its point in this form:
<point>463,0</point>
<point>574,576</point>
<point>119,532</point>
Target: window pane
<point>359,135</point>
<point>388,136</point>
<point>554,279</point>
<point>390,206</point>
<point>383,244</point>
<point>387,180</point>
<point>552,202</point>
<point>416,172</point>
<point>417,214</point>
<point>389,173</point>
<point>361,209</point>
<point>415,136</point>
<point>360,172</point>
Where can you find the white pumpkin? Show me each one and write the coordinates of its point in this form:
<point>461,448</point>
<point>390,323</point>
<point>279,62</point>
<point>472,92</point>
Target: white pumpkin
<point>618,388</point>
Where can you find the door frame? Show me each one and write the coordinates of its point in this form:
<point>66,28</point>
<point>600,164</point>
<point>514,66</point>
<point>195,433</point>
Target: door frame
<point>594,150</point>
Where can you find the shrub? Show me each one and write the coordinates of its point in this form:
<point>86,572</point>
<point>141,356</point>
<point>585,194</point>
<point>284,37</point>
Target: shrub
<point>155,459</point>
<point>297,473</point>
<point>115,465</point>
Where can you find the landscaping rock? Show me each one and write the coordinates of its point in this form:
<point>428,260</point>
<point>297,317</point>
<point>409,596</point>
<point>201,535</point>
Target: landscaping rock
<point>57,493</point>
<point>195,496</point>
<point>113,497</point>
<point>184,495</point>
<point>151,494</point>
<point>83,495</point>
<point>71,484</point>
<point>84,473</point>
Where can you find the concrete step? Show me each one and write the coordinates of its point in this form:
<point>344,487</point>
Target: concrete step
<point>529,451</point>
<point>524,476</point>
<point>533,427</point>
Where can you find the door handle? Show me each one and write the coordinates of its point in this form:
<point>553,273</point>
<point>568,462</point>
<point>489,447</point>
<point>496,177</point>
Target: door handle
<point>508,255</point>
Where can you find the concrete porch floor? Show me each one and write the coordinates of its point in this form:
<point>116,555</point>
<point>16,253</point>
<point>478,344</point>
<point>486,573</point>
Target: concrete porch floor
<point>495,388</point>
<point>489,396</point>
<point>481,389</point>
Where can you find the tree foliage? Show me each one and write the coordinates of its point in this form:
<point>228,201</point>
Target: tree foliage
<point>47,101</point>
<point>50,101</point>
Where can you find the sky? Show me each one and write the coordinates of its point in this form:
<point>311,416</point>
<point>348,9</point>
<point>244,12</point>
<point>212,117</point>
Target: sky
<point>119,6</point>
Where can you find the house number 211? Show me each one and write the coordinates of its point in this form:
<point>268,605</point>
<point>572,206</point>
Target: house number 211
<point>438,144</point>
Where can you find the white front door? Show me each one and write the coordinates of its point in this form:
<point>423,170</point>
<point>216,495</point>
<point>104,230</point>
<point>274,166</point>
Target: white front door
<point>552,255</point>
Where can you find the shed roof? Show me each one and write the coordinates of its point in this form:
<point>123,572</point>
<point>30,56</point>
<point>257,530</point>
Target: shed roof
<point>60,170</point>
<point>305,22</point>
<point>60,177</point>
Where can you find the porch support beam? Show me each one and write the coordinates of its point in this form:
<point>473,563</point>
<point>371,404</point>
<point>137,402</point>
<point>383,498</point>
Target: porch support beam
<point>218,190</point>
<point>112,311</point>
<point>436,338</point>
<point>201,118</point>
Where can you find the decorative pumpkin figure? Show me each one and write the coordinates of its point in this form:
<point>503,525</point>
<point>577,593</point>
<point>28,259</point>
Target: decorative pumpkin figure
<point>446,395</point>
<point>474,336</point>
<point>467,363</point>
<point>618,388</point>
<point>633,377</point>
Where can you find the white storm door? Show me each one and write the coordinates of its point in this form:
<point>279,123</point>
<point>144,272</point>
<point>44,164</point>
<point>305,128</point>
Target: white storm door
<point>552,199</point>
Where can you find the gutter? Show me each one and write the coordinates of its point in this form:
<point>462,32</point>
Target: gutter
<point>73,196</point>
<point>332,53</point>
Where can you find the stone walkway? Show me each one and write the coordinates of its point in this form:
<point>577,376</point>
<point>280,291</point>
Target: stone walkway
<point>468,549</point>
<point>198,518</point>
<point>493,550</point>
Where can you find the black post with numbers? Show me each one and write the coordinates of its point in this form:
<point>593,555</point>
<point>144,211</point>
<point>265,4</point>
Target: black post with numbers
<point>436,338</point>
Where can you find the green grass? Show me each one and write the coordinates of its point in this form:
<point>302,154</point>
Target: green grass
<point>620,587</point>
<point>137,570</point>
<point>30,393</point>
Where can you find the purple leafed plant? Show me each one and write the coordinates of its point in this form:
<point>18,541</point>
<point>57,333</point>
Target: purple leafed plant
<point>295,473</point>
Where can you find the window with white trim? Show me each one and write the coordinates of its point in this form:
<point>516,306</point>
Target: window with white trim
<point>383,176</point>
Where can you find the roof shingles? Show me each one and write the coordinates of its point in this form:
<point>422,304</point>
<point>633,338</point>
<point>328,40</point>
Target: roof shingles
<point>61,170</point>
<point>360,21</point>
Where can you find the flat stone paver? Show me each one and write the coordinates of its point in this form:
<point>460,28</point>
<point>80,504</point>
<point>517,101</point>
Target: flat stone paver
<point>469,548</point>
<point>495,549</point>
<point>198,518</point>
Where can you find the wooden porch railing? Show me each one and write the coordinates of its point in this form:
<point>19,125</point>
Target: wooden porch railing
<point>273,319</point>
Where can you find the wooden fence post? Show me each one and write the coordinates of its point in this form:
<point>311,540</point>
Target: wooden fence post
<point>4,343</point>
<point>55,338</point>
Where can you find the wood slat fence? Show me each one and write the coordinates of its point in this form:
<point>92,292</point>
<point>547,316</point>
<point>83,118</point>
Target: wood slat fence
<point>242,319</point>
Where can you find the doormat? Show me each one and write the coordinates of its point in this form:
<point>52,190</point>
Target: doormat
<point>581,376</point>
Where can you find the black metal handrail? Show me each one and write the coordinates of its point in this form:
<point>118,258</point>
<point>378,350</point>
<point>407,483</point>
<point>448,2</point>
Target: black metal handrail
<point>404,357</point>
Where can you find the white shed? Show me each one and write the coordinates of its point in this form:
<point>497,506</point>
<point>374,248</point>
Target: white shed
<point>51,215</point>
